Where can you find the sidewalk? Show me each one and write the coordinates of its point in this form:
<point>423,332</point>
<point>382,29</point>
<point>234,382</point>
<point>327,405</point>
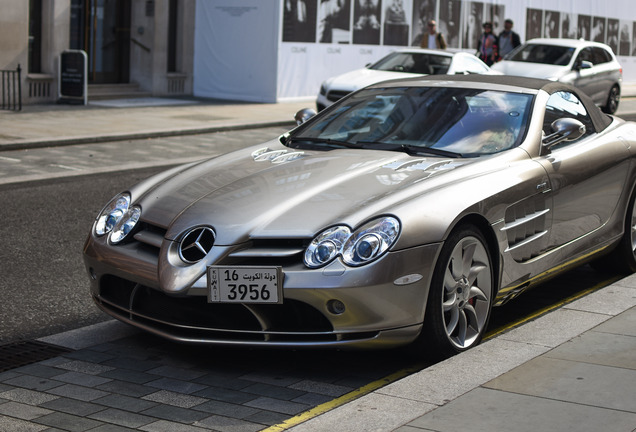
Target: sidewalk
<point>573,369</point>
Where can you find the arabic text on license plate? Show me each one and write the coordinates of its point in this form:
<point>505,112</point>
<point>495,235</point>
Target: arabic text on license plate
<point>244,285</point>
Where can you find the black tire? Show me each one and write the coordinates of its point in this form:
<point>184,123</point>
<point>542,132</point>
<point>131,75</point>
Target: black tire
<point>623,257</point>
<point>613,99</point>
<point>460,296</point>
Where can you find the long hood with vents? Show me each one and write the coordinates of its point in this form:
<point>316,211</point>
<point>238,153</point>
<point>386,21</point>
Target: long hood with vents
<point>277,192</point>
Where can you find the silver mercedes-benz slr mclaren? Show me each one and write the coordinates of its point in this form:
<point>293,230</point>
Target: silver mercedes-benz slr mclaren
<point>403,213</point>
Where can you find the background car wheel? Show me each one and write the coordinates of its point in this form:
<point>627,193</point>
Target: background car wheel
<point>623,257</point>
<point>460,296</point>
<point>613,99</point>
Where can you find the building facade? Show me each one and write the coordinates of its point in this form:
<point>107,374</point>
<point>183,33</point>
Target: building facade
<point>132,46</point>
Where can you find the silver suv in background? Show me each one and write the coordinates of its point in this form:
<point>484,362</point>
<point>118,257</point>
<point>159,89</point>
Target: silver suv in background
<point>590,66</point>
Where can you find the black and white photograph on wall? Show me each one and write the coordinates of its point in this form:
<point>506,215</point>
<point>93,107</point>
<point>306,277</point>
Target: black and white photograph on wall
<point>495,14</point>
<point>625,38</point>
<point>423,12</point>
<point>598,29</point>
<point>584,27</point>
<point>551,24</point>
<point>366,22</point>
<point>612,34</point>
<point>396,26</point>
<point>334,20</point>
<point>448,25</point>
<point>299,20</point>
<point>568,25</point>
<point>534,23</point>
<point>473,13</point>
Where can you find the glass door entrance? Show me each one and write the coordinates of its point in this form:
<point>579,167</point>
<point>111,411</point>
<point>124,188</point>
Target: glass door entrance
<point>102,29</point>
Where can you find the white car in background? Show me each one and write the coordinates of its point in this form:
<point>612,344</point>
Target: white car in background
<point>590,66</point>
<point>401,64</point>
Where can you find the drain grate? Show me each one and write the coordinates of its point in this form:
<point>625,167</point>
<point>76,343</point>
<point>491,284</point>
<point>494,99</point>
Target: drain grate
<point>22,353</point>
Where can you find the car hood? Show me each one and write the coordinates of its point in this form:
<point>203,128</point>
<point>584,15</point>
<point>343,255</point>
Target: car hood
<point>360,78</point>
<point>297,195</point>
<point>531,70</point>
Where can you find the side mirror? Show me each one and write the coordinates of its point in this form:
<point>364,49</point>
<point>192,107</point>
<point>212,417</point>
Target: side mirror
<point>584,64</point>
<point>564,129</point>
<point>303,115</point>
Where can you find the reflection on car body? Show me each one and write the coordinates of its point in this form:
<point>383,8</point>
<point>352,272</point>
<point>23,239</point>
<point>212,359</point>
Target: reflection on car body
<point>401,214</point>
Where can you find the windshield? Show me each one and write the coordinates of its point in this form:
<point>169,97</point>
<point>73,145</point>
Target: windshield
<point>431,64</point>
<point>420,120</point>
<point>545,54</point>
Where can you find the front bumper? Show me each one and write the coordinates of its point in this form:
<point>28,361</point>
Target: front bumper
<point>378,311</point>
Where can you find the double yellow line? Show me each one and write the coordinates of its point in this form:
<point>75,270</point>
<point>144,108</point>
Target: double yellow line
<point>364,390</point>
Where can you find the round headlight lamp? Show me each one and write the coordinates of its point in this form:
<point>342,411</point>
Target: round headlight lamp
<point>370,241</point>
<point>326,246</point>
<point>126,224</point>
<point>110,216</point>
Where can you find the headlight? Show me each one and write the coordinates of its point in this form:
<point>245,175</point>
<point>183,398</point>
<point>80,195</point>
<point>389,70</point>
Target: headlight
<point>112,214</point>
<point>364,245</point>
<point>125,225</point>
<point>326,246</point>
<point>370,241</point>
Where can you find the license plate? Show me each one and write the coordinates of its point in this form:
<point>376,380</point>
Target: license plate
<point>245,284</point>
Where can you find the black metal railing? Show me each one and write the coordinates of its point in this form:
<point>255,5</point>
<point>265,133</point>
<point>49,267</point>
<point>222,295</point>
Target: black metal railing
<point>11,89</point>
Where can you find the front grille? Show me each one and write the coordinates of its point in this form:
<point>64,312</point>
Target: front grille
<point>335,95</point>
<point>192,316</point>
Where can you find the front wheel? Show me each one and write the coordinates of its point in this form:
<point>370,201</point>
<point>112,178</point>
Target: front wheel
<point>623,257</point>
<point>613,99</point>
<point>460,295</point>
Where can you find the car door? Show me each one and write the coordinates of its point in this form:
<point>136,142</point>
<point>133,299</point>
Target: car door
<point>586,175</point>
<point>584,76</point>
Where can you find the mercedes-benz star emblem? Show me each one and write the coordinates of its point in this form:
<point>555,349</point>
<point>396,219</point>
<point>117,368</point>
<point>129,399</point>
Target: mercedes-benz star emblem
<point>196,244</point>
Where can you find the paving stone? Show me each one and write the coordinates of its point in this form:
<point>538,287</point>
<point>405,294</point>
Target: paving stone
<point>268,418</point>
<point>122,418</point>
<point>224,381</point>
<point>226,424</point>
<point>174,385</point>
<point>227,409</point>
<point>321,388</point>
<point>27,396</point>
<point>33,383</point>
<point>82,379</point>
<point>272,391</point>
<point>175,399</point>
<point>125,403</point>
<point>73,406</point>
<point>77,392</point>
<point>8,375</point>
<point>22,411</point>
<point>312,399</point>
<point>111,428</point>
<point>39,370</point>
<point>10,424</point>
<point>177,373</point>
<point>175,414</point>
<point>225,395</point>
<point>126,388</point>
<point>85,367</point>
<point>132,364</point>
<point>130,376</point>
<point>168,426</point>
<point>90,355</point>
<point>277,380</point>
<point>277,405</point>
<point>68,422</point>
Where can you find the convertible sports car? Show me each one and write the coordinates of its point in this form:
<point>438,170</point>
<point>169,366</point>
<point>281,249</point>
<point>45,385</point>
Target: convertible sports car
<point>403,213</point>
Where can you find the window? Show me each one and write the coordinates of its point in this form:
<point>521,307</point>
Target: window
<point>566,105</point>
<point>172,36</point>
<point>35,36</point>
<point>600,55</point>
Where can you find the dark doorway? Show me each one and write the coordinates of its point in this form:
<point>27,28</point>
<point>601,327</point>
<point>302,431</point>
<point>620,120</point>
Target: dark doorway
<point>102,29</point>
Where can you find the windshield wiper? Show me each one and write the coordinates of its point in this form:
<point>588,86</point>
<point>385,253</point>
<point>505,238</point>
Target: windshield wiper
<point>410,149</point>
<point>321,141</point>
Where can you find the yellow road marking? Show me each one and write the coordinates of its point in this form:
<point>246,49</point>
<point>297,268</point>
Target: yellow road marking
<point>364,390</point>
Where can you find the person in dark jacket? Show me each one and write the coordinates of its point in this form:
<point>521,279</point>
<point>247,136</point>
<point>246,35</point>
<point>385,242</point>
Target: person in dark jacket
<point>508,39</point>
